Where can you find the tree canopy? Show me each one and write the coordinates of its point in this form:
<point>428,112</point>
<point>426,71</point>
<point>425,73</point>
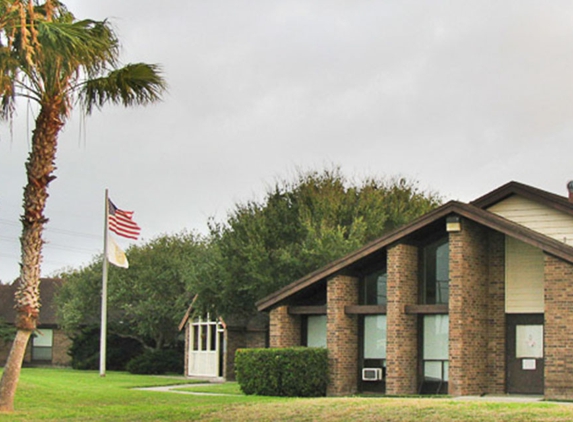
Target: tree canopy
<point>300,226</point>
<point>145,302</point>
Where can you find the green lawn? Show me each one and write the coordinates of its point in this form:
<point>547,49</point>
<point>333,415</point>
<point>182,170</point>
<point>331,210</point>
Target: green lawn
<point>67,395</point>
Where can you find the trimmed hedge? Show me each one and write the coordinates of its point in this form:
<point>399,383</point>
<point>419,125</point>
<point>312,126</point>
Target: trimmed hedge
<point>290,372</point>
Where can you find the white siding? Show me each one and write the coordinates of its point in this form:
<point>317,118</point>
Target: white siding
<point>523,278</point>
<point>538,217</point>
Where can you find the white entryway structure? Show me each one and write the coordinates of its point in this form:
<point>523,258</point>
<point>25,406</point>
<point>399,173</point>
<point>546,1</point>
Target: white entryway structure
<point>206,340</point>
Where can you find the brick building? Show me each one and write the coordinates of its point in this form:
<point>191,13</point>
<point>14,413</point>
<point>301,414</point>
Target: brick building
<point>49,345</point>
<point>469,299</point>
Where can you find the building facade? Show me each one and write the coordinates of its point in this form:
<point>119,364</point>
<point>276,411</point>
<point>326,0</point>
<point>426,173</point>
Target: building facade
<point>49,345</point>
<point>469,299</point>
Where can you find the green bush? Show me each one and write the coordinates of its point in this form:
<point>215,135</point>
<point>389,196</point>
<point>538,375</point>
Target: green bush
<point>155,362</point>
<point>7,332</point>
<point>290,372</point>
<point>86,345</point>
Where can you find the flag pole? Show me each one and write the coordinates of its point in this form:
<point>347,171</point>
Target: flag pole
<point>103,333</point>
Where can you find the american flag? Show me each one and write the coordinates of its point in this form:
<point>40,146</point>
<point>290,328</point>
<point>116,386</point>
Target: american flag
<point>121,223</point>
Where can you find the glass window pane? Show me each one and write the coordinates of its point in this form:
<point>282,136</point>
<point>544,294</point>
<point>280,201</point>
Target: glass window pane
<point>436,337</point>
<point>443,262</point>
<point>41,353</point>
<point>213,329</point>
<point>375,286</point>
<point>195,337</point>
<point>433,370</point>
<point>375,337</point>
<point>203,331</point>
<point>436,272</point>
<point>316,331</point>
<point>43,338</point>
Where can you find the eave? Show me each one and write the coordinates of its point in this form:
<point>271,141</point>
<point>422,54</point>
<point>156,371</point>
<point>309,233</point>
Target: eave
<point>480,216</point>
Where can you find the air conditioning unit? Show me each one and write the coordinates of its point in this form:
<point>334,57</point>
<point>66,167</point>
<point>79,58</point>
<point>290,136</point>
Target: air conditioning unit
<point>371,374</point>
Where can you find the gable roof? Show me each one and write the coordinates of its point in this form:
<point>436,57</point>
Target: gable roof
<point>48,290</point>
<point>549,199</point>
<point>472,211</point>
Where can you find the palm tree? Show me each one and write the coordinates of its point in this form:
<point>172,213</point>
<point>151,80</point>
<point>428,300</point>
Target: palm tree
<point>57,61</point>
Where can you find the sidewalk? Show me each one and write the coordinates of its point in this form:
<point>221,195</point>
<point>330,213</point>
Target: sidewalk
<point>508,398</point>
<point>174,389</point>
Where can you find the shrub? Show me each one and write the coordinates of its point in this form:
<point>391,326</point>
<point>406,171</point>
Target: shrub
<point>7,331</point>
<point>85,350</point>
<point>157,362</point>
<point>290,372</point>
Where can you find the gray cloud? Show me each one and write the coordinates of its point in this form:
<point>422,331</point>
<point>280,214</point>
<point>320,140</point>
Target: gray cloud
<point>464,96</point>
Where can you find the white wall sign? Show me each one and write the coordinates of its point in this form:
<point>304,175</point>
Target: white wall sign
<point>529,341</point>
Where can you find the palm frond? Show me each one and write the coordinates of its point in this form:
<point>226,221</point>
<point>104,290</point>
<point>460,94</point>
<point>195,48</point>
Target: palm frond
<point>136,83</point>
<point>86,44</point>
<point>8,75</point>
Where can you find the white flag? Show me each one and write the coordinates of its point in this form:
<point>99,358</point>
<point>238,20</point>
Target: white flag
<point>115,254</point>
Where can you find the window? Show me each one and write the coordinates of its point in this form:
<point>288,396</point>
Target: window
<point>316,331</point>
<point>42,343</point>
<point>375,287</point>
<point>204,334</point>
<point>375,337</point>
<point>374,340</point>
<point>436,348</point>
<point>436,272</point>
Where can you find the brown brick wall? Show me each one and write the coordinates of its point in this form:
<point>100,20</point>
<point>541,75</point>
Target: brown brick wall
<point>468,310</point>
<point>558,329</point>
<point>496,347</point>
<point>342,335</point>
<point>256,339</point>
<point>402,347</point>
<point>60,348</point>
<point>284,329</point>
<point>234,339</point>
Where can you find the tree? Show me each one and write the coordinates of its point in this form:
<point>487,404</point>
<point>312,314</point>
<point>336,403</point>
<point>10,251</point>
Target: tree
<point>299,227</point>
<point>145,303</point>
<point>6,331</point>
<point>55,60</point>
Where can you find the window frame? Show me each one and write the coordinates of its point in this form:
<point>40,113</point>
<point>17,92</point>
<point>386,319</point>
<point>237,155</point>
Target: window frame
<point>428,268</point>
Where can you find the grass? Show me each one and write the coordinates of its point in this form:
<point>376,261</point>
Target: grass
<point>67,395</point>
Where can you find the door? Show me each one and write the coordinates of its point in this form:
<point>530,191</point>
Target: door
<point>205,346</point>
<point>525,362</point>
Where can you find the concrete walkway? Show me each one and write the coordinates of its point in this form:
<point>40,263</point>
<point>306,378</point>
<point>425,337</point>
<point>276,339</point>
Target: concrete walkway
<point>509,398</point>
<point>174,389</point>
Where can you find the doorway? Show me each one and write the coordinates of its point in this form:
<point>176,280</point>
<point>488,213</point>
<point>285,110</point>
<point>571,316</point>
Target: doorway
<point>525,361</point>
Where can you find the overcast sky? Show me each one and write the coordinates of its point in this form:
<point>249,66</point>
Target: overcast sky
<point>462,96</point>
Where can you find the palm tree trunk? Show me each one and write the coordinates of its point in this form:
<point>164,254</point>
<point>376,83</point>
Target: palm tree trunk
<point>12,370</point>
<point>39,169</point>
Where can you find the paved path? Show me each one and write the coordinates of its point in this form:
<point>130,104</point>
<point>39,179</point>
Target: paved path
<point>510,398</point>
<point>486,398</point>
<point>174,389</point>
